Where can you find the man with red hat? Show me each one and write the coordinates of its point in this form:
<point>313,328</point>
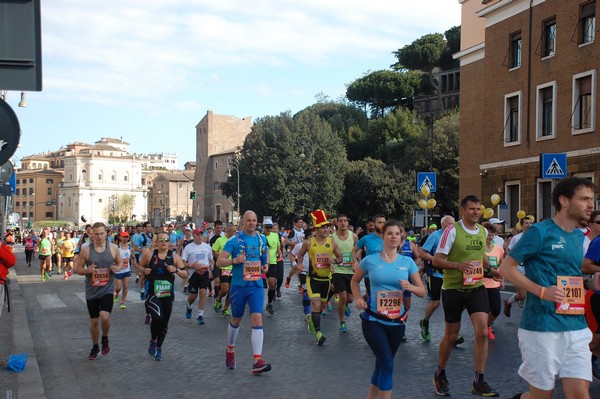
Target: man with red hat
<point>322,250</point>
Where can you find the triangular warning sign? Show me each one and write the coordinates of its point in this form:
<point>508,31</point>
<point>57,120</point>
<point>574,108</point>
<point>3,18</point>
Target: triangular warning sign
<point>426,182</point>
<point>554,169</point>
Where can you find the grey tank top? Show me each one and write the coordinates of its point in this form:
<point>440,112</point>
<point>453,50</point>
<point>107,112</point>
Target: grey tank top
<point>101,282</point>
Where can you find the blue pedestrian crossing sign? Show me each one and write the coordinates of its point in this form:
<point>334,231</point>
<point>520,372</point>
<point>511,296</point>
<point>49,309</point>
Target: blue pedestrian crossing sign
<point>426,179</point>
<point>554,165</point>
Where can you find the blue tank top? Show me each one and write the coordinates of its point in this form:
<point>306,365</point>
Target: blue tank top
<point>406,251</point>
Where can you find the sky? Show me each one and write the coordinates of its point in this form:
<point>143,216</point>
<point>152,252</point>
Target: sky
<point>148,70</point>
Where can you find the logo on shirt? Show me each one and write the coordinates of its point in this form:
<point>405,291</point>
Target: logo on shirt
<point>475,245</point>
<point>560,244</point>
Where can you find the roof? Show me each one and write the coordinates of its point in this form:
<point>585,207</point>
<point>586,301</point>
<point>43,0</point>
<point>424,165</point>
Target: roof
<point>227,152</point>
<point>111,140</point>
<point>183,176</point>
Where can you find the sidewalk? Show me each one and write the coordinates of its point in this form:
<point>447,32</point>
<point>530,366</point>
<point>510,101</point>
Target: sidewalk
<point>16,338</point>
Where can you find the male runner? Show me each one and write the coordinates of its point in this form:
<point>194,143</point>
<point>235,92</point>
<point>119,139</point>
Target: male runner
<point>342,274</point>
<point>198,259</point>
<point>225,278</point>
<point>274,244</point>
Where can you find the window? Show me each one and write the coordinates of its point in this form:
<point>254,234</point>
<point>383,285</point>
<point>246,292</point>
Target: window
<point>30,204</point>
<point>30,181</point>
<point>546,110</point>
<point>512,121</point>
<point>18,191</point>
<point>49,181</point>
<point>587,22</point>
<point>30,190</point>
<point>18,181</point>
<point>126,177</point>
<point>17,203</point>
<point>50,215</point>
<point>513,200</point>
<point>216,165</point>
<point>49,190</point>
<point>24,214</point>
<point>68,202</point>
<point>549,38</point>
<point>113,176</point>
<point>545,209</point>
<point>216,185</point>
<point>100,176</point>
<point>516,46</point>
<point>584,100</point>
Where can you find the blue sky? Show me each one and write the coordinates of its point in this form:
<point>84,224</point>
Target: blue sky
<point>148,70</point>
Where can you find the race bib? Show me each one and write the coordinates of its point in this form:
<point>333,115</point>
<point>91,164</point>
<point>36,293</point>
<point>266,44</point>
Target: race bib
<point>125,263</point>
<point>389,303</point>
<point>347,256</point>
<point>474,276</point>
<point>574,295</point>
<point>493,261</point>
<point>323,261</point>
<point>225,272</point>
<point>252,270</point>
<point>200,257</point>
<point>100,277</point>
<point>162,288</point>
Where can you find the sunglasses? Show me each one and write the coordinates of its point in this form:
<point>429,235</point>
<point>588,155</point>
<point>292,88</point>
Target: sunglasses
<point>163,240</point>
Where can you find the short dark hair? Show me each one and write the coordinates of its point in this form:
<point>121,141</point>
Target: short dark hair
<point>468,198</point>
<point>379,215</point>
<point>297,218</point>
<point>146,224</point>
<point>567,187</point>
<point>99,224</point>
<point>218,223</point>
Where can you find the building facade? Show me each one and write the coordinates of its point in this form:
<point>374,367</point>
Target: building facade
<point>218,139</point>
<point>169,197</point>
<point>36,194</point>
<point>528,88</point>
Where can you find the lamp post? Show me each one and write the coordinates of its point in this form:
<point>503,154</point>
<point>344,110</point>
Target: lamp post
<point>236,166</point>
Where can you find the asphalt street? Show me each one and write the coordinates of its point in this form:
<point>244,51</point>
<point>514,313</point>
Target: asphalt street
<point>50,321</point>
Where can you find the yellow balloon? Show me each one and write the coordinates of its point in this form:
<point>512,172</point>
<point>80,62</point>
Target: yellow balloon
<point>531,217</point>
<point>425,190</point>
<point>482,207</point>
<point>431,203</point>
<point>518,226</point>
<point>488,213</point>
<point>521,214</point>
<point>495,199</point>
<point>422,204</point>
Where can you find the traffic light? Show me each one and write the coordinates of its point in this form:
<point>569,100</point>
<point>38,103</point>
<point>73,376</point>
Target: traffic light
<point>192,195</point>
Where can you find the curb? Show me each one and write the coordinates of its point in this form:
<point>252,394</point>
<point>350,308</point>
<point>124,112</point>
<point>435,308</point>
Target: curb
<point>29,381</point>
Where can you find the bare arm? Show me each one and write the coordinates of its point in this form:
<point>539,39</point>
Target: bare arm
<point>354,285</point>
<point>508,270</point>
<point>589,266</point>
<point>80,261</point>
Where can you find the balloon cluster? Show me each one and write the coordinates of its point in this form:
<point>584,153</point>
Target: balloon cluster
<point>426,203</point>
<point>489,212</point>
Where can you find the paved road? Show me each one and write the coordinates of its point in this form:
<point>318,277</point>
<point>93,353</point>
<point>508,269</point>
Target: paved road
<point>54,315</point>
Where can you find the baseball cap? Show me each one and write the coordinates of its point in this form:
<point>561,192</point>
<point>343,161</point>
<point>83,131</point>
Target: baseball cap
<point>267,222</point>
<point>124,234</point>
<point>433,226</point>
<point>496,221</point>
<point>188,228</point>
<point>198,231</point>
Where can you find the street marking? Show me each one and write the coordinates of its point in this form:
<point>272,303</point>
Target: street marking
<point>50,301</point>
<point>81,295</point>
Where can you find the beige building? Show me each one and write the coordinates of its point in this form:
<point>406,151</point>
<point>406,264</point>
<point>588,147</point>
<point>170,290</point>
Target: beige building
<point>528,87</point>
<point>169,197</point>
<point>218,139</point>
<point>36,194</point>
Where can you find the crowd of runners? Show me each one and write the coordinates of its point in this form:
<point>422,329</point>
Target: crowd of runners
<point>554,264</point>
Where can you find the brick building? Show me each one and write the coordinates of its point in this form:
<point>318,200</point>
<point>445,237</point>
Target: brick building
<point>528,87</point>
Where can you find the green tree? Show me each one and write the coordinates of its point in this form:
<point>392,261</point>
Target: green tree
<point>290,165</point>
<point>124,206</point>
<point>373,187</point>
<point>381,90</point>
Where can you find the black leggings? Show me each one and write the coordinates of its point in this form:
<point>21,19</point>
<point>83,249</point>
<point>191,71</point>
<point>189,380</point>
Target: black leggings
<point>494,300</point>
<point>280,277</point>
<point>160,311</point>
<point>29,255</point>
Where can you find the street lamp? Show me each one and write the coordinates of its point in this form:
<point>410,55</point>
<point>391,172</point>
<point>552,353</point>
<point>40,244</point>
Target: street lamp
<point>236,166</point>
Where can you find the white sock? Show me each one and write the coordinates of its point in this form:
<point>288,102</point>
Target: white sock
<point>201,312</point>
<point>512,299</point>
<point>189,307</point>
<point>257,340</point>
<point>232,333</point>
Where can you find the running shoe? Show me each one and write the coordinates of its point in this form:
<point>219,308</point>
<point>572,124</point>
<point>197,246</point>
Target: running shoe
<point>596,369</point>
<point>105,346</point>
<point>336,298</point>
<point>227,313</point>
<point>147,319</point>
<point>348,311</point>
<point>329,307</point>
<point>491,335</point>
<point>270,308</point>
<point>343,327</point>
<point>122,306</point>
<point>47,275</point>
<point>261,367</point>
<point>185,290</point>
<point>152,348</point>
<point>50,273</point>
<point>442,387</point>
<point>70,273</point>
<point>94,353</point>
<point>320,338</point>
<point>309,322</point>
<point>287,282</point>
<point>323,313</point>
<point>200,320</point>
<point>43,279</point>
<point>278,293</point>
<point>230,360</point>
<point>142,295</point>
<point>158,354</point>
<point>459,340</point>
<point>188,313</point>
<point>59,271</point>
<point>507,307</point>
<point>137,280</point>
<point>218,306</point>
<point>404,339</point>
<point>115,298</point>
<point>424,324</point>
<point>482,388</point>
<point>65,277</point>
